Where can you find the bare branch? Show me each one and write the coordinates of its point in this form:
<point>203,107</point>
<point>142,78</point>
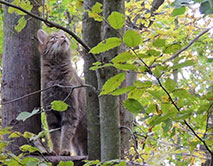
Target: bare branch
<point>175,105</point>
<point>45,89</point>
<point>133,137</point>
<point>183,49</point>
<point>51,24</point>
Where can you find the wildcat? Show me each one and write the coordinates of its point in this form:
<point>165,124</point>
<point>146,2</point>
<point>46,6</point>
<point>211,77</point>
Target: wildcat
<point>70,125</point>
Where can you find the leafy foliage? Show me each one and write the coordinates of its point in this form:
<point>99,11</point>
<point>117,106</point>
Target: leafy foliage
<point>169,90</point>
<point>165,82</point>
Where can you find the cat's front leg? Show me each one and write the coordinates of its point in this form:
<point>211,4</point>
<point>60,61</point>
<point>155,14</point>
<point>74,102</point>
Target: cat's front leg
<point>67,133</point>
<point>55,130</point>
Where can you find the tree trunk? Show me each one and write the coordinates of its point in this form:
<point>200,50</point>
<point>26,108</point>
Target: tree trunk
<point>21,75</point>
<point>127,117</point>
<point>109,105</point>
<point>92,36</point>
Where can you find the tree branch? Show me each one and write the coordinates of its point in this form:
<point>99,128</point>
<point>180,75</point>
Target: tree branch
<point>133,137</point>
<point>186,123</point>
<point>51,24</point>
<point>45,89</point>
<point>183,49</point>
<point>173,103</point>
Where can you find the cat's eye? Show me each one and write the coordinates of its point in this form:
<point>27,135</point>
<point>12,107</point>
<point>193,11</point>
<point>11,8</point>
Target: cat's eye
<point>53,38</point>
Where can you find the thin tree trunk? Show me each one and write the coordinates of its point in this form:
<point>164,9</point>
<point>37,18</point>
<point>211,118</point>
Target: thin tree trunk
<point>127,117</point>
<point>92,36</point>
<point>21,75</point>
<point>109,105</point>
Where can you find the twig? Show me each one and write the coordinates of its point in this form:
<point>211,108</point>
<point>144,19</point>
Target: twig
<point>52,24</point>
<point>134,139</point>
<point>177,108</point>
<point>186,123</point>
<point>45,89</point>
<point>188,154</point>
<point>183,49</point>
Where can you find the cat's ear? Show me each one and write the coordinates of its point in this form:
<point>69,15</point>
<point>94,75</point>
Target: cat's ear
<point>61,31</point>
<point>41,35</point>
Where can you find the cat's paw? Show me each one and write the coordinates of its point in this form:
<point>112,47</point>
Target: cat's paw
<point>65,152</point>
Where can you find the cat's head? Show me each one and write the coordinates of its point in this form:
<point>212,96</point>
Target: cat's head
<point>55,44</point>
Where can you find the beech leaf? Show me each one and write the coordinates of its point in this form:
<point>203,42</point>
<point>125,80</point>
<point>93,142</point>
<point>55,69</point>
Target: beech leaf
<point>133,106</point>
<point>132,38</point>
<point>113,83</point>
<point>106,45</point>
<point>59,105</point>
<point>116,20</point>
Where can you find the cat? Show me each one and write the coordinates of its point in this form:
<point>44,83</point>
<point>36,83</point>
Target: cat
<point>56,68</point>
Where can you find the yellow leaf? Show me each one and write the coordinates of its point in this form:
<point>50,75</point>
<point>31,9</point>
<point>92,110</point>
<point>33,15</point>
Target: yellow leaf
<point>165,98</point>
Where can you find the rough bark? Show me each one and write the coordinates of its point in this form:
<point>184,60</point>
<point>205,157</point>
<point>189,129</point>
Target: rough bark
<point>21,75</point>
<point>92,36</point>
<point>109,105</point>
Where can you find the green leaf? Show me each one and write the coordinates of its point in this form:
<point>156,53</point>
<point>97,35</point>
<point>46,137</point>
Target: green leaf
<point>95,12</point>
<point>122,163</point>
<point>193,145</point>
<point>95,16</point>
<point>158,70</point>
<point>153,52</point>
<point>158,119</point>
<point>28,134</point>
<point>66,163</point>
<point>121,91</point>
<point>31,161</point>
<point>116,20</point>
<point>179,11</point>
<point>159,43</point>
<point>26,5</point>
<point>6,130</point>
<point>106,45</point>
<point>155,94</point>
<point>144,84</point>
<point>172,48</point>
<point>28,148</point>
<point>133,106</point>
<point>25,115</point>
<point>136,93</point>
<point>113,83</point>
<point>132,38</point>
<point>181,93</point>
<point>125,67</point>
<point>21,24</point>
<point>170,85</point>
<point>143,69</point>
<point>97,7</point>
<point>151,108</point>
<point>15,134</point>
<point>59,105</point>
<point>167,125</point>
<point>122,57</point>
<point>183,115</point>
<point>98,67</point>
<point>184,64</point>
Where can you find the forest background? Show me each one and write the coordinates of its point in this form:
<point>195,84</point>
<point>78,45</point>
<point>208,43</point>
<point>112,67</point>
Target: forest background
<point>164,48</point>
